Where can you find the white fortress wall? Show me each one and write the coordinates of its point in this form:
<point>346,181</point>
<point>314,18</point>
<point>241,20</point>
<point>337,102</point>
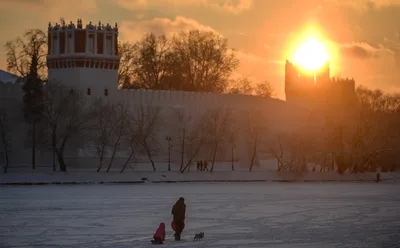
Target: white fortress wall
<point>281,115</point>
<point>97,80</point>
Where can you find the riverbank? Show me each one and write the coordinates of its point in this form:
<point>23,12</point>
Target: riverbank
<point>35,178</point>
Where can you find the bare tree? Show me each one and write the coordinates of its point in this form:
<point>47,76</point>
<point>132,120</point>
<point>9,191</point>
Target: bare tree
<point>217,127</point>
<point>102,128</point>
<point>28,50</point>
<point>26,57</point>
<point>363,141</point>
<point>201,62</point>
<point>133,140</point>
<point>33,100</point>
<point>148,120</point>
<point>244,86</point>
<point>151,64</point>
<point>277,150</point>
<point>127,52</point>
<point>264,89</point>
<point>285,148</point>
<point>66,114</point>
<point>190,61</point>
<point>194,140</point>
<point>232,140</point>
<point>184,122</point>
<point>371,134</point>
<point>257,129</point>
<point>121,129</point>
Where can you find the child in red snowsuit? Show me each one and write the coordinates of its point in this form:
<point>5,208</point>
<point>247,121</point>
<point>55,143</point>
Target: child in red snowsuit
<point>159,235</point>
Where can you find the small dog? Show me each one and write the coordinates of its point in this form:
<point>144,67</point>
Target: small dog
<point>198,236</point>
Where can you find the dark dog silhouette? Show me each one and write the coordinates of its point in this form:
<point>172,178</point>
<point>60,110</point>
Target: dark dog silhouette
<point>198,236</point>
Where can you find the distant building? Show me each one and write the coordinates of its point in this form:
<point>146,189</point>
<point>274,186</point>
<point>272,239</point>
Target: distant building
<point>84,58</point>
<point>316,88</point>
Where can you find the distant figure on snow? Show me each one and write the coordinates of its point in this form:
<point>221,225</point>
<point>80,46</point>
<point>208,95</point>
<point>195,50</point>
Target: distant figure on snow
<point>159,235</point>
<point>199,165</point>
<point>205,166</point>
<point>179,212</point>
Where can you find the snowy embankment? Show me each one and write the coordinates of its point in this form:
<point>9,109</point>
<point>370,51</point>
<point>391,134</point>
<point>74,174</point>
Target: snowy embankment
<point>176,177</point>
<point>142,173</point>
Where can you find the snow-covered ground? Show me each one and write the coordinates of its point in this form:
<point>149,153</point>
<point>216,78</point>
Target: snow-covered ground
<point>85,177</point>
<point>140,172</point>
<point>319,215</point>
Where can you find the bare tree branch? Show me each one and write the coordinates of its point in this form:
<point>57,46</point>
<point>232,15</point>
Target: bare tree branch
<point>257,130</point>
<point>218,121</point>
<point>194,140</point>
<point>25,50</point>
<point>67,115</point>
<point>121,124</point>
<point>148,120</point>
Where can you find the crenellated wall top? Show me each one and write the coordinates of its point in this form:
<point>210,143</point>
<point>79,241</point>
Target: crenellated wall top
<point>195,99</point>
<point>79,26</point>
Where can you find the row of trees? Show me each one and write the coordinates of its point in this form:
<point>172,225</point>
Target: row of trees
<point>358,138</point>
<point>189,61</point>
<point>66,119</point>
<point>371,137</point>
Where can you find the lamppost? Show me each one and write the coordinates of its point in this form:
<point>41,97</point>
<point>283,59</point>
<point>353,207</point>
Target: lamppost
<point>168,138</point>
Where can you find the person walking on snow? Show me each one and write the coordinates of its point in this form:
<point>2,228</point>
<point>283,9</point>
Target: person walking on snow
<point>179,212</point>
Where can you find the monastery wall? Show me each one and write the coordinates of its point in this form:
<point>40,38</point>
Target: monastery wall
<point>280,115</point>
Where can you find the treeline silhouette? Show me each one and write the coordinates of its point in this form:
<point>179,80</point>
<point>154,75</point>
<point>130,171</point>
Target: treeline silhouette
<point>189,61</point>
<point>195,60</point>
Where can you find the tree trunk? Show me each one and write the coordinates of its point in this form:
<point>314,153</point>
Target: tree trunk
<point>113,155</point>
<point>115,148</point>
<point>213,158</point>
<point>169,156</point>
<point>150,157</point>
<point>183,149</point>
<point>252,161</point>
<point>7,159</point>
<point>101,158</point>
<point>127,161</point>
<point>60,158</point>
<point>60,155</point>
<point>61,162</point>
<point>233,158</point>
<point>253,157</point>
<point>34,145</point>
<point>191,157</point>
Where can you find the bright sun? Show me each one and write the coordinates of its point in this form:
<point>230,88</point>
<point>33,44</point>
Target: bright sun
<point>311,55</point>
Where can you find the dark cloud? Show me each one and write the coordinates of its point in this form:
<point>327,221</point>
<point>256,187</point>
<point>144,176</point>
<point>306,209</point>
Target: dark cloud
<point>365,51</point>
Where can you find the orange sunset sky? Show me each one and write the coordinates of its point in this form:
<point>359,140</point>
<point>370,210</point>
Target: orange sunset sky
<point>361,36</point>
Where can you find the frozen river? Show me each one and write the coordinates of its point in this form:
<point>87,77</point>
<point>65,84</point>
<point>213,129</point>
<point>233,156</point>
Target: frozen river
<point>319,215</point>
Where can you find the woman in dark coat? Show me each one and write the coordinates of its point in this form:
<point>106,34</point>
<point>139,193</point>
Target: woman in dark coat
<point>179,212</point>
